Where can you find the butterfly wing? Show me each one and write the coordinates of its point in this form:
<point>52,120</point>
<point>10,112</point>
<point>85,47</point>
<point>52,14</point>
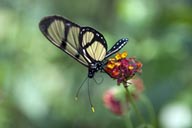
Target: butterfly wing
<point>93,44</point>
<point>116,47</point>
<point>64,34</point>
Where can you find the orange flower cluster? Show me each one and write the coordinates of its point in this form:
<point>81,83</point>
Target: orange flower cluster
<point>122,68</point>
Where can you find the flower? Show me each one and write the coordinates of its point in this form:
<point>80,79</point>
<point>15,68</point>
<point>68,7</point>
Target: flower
<point>136,87</point>
<point>111,102</point>
<point>115,99</point>
<point>122,68</point>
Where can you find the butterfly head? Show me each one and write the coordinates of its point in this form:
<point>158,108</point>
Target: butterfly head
<point>94,67</point>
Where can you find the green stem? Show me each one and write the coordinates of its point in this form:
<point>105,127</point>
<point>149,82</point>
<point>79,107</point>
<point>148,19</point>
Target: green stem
<point>150,110</point>
<point>130,98</point>
<point>128,121</point>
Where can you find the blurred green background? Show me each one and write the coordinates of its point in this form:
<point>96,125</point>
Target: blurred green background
<point>38,82</point>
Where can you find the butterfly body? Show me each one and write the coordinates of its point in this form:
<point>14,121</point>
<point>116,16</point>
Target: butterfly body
<point>84,44</point>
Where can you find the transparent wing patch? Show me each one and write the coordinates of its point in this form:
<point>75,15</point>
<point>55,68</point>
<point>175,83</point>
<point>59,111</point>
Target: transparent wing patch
<point>64,34</point>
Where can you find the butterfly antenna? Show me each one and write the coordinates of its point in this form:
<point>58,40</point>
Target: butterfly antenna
<point>77,93</point>
<point>92,107</point>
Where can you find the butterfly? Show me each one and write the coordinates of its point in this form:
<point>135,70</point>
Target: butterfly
<point>84,44</point>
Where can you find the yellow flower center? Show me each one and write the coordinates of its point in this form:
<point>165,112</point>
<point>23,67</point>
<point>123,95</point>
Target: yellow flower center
<point>112,60</point>
<point>118,56</point>
<point>117,63</point>
<point>111,65</point>
<point>130,67</point>
<point>124,55</point>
